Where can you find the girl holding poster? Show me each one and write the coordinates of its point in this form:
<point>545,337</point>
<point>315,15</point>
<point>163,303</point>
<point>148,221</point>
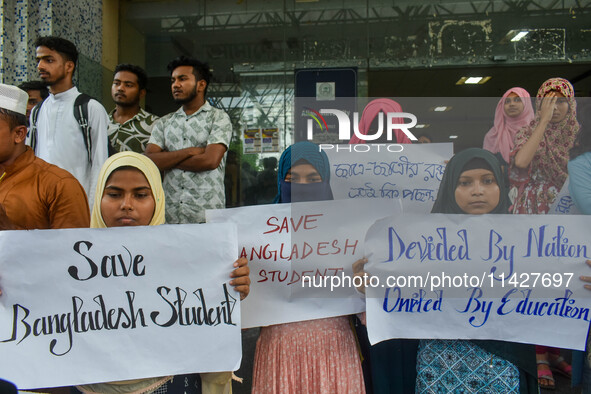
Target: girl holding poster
<point>472,184</point>
<point>129,193</point>
<point>317,356</point>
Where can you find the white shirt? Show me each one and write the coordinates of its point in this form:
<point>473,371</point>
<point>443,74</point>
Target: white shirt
<point>60,140</point>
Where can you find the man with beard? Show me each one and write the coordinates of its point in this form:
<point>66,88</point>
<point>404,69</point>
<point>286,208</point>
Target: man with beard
<point>56,135</point>
<point>129,125</point>
<point>189,146</point>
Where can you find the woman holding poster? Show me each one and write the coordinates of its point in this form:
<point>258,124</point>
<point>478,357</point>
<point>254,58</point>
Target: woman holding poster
<point>472,184</point>
<point>317,356</point>
<point>129,193</point>
<point>579,165</point>
<point>579,171</point>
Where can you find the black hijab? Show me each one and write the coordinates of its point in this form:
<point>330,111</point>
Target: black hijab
<point>469,159</point>
<point>521,355</point>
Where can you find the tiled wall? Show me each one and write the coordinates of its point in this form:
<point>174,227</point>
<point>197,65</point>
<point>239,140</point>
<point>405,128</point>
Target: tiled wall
<point>22,21</point>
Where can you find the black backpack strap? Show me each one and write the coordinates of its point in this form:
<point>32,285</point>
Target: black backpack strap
<point>81,115</point>
<point>33,126</point>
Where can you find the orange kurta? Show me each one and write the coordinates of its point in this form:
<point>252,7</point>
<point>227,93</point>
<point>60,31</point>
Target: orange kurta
<point>39,195</point>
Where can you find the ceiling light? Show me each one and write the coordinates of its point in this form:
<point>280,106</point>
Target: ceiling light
<point>519,36</point>
<point>473,80</point>
<point>421,126</point>
<point>440,109</point>
<point>453,137</point>
<point>514,35</point>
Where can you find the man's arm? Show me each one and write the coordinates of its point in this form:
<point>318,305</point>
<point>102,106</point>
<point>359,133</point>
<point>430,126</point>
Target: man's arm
<point>156,148</point>
<point>69,205</point>
<point>165,160</point>
<point>218,141</point>
<point>209,158</point>
<point>5,222</point>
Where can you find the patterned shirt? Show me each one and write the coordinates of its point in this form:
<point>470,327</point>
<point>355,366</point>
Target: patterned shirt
<point>133,135</point>
<point>188,193</point>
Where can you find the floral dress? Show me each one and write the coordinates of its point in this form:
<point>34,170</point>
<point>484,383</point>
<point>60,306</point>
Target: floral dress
<point>537,186</point>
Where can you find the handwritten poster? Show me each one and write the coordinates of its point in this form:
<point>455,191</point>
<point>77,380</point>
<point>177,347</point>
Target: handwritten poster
<point>99,305</point>
<point>507,277</point>
<point>409,172</point>
<point>301,255</point>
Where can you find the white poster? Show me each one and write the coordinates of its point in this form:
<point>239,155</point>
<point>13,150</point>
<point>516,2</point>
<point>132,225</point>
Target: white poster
<point>98,305</point>
<point>411,172</point>
<point>506,277</point>
<point>301,255</point>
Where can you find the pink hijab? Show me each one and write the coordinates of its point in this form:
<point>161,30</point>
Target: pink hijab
<point>372,109</point>
<point>500,137</point>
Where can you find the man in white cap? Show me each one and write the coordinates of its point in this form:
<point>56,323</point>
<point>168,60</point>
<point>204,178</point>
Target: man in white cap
<point>33,193</point>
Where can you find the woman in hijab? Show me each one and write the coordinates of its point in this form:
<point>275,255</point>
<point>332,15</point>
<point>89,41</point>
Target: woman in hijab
<point>514,111</point>
<point>579,165</point>
<point>539,158</point>
<point>538,171</point>
<point>369,123</point>
<point>472,184</point>
<point>579,172</point>
<point>316,356</point>
<point>129,193</point>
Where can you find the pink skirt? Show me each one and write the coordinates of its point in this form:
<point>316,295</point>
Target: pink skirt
<point>317,356</point>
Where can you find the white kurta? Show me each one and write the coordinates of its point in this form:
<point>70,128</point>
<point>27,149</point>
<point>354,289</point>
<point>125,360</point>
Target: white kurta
<point>60,140</point>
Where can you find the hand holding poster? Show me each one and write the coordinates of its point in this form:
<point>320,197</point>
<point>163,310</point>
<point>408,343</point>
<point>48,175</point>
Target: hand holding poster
<point>409,172</point>
<point>299,256</point>
<point>98,305</point>
<point>505,277</point>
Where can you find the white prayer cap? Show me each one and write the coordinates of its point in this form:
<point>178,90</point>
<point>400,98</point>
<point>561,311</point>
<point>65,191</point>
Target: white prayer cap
<point>13,99</point>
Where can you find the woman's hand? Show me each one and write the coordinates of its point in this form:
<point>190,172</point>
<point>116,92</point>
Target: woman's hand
<point>547,107</point>
<point>241,279</point>
<point>525,155</point>
<point>358,271</point>
<point>586,278</point>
